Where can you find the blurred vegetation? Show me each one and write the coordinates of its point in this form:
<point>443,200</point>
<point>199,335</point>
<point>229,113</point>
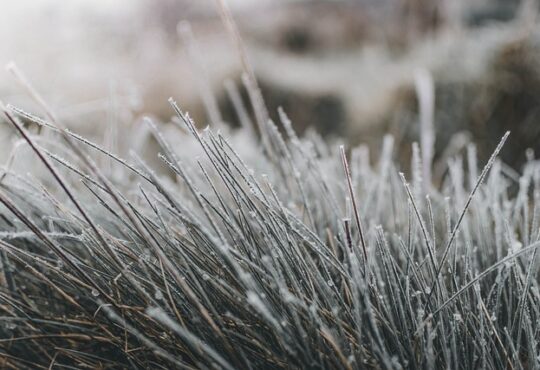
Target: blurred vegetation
<point>348,74</point>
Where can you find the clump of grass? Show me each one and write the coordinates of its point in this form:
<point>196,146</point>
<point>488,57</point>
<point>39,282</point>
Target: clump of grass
<point>300,256</point>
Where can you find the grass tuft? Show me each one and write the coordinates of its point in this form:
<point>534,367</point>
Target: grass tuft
<point>294,257</point>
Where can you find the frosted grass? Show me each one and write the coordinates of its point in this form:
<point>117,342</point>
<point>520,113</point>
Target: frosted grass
<point>302,255</point>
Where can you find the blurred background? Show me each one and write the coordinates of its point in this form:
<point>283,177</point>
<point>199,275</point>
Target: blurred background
<point>343,68</point>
